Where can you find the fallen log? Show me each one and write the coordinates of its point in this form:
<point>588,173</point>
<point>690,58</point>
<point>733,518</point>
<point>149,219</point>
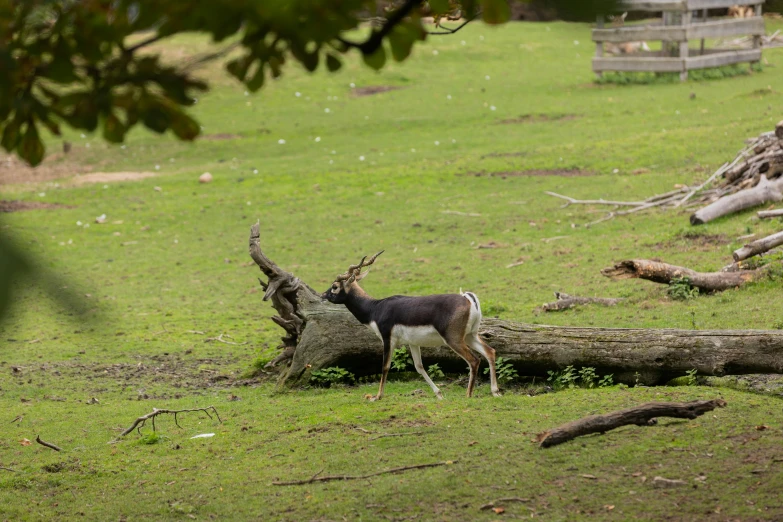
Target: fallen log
<point>665,273</point>
<point>565,301</point>
<point>331,336</point>
<point>758,247</point>
<point>643,415</point>
<point>765,191</point>
<point>766,214</point>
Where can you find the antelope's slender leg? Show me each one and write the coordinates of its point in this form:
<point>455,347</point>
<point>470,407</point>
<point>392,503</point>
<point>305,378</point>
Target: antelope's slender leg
<point>416,354</point>
<point>478,344</point>
<point>461,349</point>
<point>388,349</point>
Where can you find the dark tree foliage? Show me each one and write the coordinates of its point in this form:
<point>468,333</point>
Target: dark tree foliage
<point>79,63</point>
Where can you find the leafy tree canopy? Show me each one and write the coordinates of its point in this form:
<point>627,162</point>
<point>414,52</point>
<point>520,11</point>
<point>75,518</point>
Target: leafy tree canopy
<point>77,62</point>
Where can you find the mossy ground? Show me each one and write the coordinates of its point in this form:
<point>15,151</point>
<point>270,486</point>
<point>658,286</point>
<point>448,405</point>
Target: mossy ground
<point>481,127</point>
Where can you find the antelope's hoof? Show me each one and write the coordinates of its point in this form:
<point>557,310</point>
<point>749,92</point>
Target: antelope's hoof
<point>497,394</point>
<point>439,396</point>
<point>372,398</point>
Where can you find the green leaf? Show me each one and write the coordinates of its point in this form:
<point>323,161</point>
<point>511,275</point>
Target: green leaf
<point>11,135</point>
<point>257,80</point>
<point>113,129</point>
<point>495,11</point>
<point>238,68</point>
<point>402,38</point>
<point>439,6</point>
<point>185,127</point>
<point>333,63</point>
<point>377,59</point>
<point>156,119</point>
<point>31,148</point>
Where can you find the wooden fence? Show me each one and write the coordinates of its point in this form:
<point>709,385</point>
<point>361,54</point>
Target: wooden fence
<point>682,21</point>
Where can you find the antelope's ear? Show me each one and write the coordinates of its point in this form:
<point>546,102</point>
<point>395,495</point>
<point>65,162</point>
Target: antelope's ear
<point>362,276</point>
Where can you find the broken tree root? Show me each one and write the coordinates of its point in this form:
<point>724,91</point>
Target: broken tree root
<point>565,301</point>
<point>327,478</point>
<point>665,273</point>
<point>141,421</point>
<point>47,444</point>
<point>643,415</point>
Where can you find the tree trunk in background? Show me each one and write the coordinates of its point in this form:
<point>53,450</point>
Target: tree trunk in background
<point>330,336</point>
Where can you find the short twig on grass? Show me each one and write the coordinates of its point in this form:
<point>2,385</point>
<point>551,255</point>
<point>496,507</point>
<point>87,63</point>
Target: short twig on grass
<point>47,444</point>
<point>327,478</point>
<point>494,503</point>
<point>7,469</point>
<point>220,339</point>
<point>141,421</point>
<point>396,435</point>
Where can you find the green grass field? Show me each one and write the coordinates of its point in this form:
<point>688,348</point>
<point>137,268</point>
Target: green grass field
<point>482,122</point>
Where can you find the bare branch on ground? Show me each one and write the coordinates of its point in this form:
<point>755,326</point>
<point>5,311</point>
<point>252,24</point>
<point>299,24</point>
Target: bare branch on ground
<point>643,415</point>
<point>47,444</point>
<point>501,501</point>
<point>565,301</point>
<point>327,478</point>
<point>141,421</point>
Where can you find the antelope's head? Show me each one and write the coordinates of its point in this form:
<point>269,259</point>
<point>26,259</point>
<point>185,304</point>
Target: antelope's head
<point>345,283</point>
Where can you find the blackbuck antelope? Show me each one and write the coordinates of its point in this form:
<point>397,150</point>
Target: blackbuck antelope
<point>428,321</point>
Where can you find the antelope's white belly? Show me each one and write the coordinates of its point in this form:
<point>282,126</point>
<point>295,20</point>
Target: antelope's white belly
<point>426,336</point>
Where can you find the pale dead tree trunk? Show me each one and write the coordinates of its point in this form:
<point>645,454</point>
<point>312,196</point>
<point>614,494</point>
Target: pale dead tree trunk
<point>565,301</point>
<point>758,247</point>
<point>765,191</point>
<point>766,214</point>
<point>665,273</point>
<point>328,335</point>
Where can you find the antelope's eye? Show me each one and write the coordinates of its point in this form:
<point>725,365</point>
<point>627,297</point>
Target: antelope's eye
<point>335,289</point>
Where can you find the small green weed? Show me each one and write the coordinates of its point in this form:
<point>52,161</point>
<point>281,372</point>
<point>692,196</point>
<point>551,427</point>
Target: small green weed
<point>332,375</point>
<point>681,289</point>
<point>435,372</point>
<point>504,371</point>
<point>401,360</point>
<point>691,377</point>
<point>150,438</point>
<point>585,377</point>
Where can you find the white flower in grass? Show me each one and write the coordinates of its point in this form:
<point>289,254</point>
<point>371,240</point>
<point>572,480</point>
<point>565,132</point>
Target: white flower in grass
<point>361,158</point>
<point>327,110</point>
<point>297,94</point>
<point>281,141</point>
<point>437,142</point>
<point>317,139</point>
<point>486,77</point>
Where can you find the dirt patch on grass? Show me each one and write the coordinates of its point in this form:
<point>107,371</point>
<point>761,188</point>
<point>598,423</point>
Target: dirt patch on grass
<point>567,173</point>
<point>696,241</point>
<point>109,177</point>
<point>18,206</point>
<point>374,89</point>
<point>538,118</point>
<point>58,165</point>
<point>220,136</point>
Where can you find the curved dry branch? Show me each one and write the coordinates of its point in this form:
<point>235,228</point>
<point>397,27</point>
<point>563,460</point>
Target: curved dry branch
<point>643,415</point>
<point>141,421</point>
